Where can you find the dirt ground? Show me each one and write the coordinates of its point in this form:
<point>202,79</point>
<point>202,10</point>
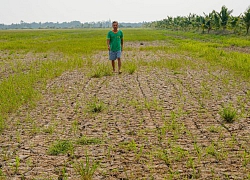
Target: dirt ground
<point>156,123</point>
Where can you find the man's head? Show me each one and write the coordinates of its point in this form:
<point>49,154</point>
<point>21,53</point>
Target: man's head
<point>115,25</point>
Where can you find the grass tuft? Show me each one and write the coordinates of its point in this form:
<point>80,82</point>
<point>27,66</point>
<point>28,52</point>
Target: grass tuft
<point>228,114</point>
<point>60,147</point>
<point>87,141</point>
<point>100,71</point>
<point>86,170</point>
<point>130,67</point>
<point>96,105</point>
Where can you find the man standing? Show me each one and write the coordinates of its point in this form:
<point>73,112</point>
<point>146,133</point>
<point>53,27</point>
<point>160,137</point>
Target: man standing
<point>115,45</point>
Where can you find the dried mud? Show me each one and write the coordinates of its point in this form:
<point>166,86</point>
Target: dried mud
<point>156,123</point>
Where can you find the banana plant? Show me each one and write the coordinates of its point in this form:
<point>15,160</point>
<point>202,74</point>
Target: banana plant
<point>209,21</point>
<point>246,19</point>
<point>224,15</point>
<point>217,21</point>
<point>234,22</point>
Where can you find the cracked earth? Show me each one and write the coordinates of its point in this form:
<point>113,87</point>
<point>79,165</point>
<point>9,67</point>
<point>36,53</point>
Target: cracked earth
<point>156,123</point>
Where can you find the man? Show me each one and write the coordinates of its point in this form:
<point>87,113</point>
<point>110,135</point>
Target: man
<point>115,45</point>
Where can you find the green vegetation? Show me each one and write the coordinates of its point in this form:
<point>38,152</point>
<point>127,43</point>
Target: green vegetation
<point>87,141</point>
<point>95,105</point>
<point>86,170</point>
<point>215,21</point>
<point>60,147</point>
<point>228,114</point>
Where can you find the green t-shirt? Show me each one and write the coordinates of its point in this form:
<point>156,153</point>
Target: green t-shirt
<point>115,40</point>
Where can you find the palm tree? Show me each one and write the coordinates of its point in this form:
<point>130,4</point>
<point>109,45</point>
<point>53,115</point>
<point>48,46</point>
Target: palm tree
<point>224,16</point>
<point>246,18</point>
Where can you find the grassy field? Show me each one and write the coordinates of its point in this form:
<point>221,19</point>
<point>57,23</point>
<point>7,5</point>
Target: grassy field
<point>179,110</point>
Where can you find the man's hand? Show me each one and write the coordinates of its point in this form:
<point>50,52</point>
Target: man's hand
<point>108,43</point>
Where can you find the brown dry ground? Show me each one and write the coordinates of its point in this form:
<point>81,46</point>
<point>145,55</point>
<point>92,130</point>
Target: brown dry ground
<point>156,123</point>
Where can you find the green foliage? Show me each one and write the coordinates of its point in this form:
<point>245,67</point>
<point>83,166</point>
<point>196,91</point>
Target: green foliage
<point>224,15</point>
<point>228,114</point>
<point>101,70</point>
<point>211,21</point>
<point>17,164</point>
<point>95,105</point>
<point>129,66</point>
<point>1,123</point>
<point>211,149</point>
<point>129,145</point>
<point>87,141</point>
<point>86,170</point>
<point>60,147</point>
<point>246,19</point>
<point>2,176</point>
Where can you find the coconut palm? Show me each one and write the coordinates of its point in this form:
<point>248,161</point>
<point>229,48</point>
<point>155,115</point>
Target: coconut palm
<point>246,18</point>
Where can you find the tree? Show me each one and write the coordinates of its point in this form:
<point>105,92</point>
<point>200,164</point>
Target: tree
<point>234,21</point>
<point>224,15</point>
<point>216,19</point>
<point>246,18</point>
<point>203,24</point>
<point>208,21</point>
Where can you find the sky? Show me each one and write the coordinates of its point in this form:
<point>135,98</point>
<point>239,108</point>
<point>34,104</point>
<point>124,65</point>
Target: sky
<point>15,11</point>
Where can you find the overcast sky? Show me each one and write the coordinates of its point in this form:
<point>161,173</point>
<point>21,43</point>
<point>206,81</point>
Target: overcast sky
<point>13,11</point>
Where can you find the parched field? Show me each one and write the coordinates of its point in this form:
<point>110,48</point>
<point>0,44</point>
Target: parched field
<point>162,118</point>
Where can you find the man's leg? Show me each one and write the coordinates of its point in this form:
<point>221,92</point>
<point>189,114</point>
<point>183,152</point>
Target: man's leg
<point>113,65</point>
<point>119,64</point>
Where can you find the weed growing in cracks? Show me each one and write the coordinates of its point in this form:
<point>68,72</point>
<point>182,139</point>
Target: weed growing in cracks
<point>228,114</point>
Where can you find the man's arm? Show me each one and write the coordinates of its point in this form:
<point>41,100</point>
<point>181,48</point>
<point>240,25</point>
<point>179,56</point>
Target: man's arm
<point>108,44</point>
<point>122,43</point>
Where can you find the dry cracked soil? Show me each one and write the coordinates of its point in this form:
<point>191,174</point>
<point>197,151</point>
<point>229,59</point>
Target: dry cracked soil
<point>155,123</point>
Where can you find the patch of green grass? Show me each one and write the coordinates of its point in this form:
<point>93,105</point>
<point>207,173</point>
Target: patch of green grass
<point>129,145</point>
<point>60,147</point>
<point>211,150</point>
<point>87,141</point>
<point>86,169</point>
<point>178,153</point>
<point>164,155</point>
<point>95,105</point>
<point>17,164</point>
<point>2,176</point>
<point>50,129</point>
<point>129,66</point>
<point>100,70</point>
<point>214,129</point>
<point>228,114</point>
<point>2,123</point>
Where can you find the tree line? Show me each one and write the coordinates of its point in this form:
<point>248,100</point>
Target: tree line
<point>222,21</point>
<point>67,25</point>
